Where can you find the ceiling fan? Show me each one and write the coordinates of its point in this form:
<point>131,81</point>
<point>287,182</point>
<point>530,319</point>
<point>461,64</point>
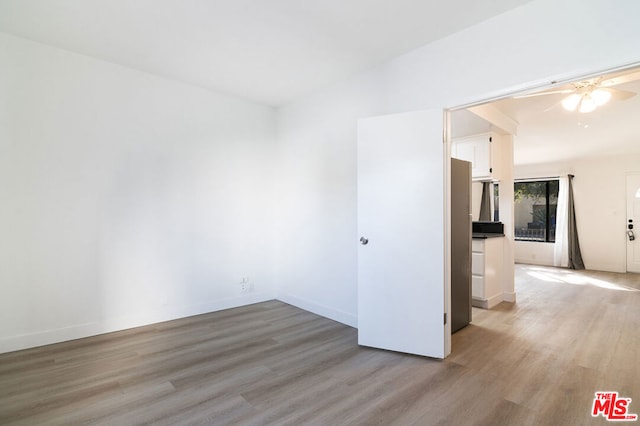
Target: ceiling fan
<point>587,95</point>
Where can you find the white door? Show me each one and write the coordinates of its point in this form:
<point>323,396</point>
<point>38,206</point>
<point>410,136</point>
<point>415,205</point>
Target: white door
<point>633,220</point>
<point>401,279</point>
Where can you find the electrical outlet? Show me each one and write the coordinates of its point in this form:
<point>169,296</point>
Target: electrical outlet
<point>245,285</point>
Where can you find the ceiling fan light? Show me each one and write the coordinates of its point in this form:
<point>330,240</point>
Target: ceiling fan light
<point>600,96</point>
<point>570,103</point>
<point>588,104</point>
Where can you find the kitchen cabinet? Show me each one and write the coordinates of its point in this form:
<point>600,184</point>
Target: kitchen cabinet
<point>486,271</point>
<point>484,153</point>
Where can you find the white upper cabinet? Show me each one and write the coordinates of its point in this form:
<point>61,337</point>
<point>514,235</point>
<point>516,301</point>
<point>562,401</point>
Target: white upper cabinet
<point>483,151</point>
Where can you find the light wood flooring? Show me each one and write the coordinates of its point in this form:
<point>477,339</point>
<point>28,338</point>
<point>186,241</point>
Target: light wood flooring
<point>536,362</point>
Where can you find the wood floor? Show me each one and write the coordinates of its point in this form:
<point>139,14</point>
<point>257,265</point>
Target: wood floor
<point>536,362</point>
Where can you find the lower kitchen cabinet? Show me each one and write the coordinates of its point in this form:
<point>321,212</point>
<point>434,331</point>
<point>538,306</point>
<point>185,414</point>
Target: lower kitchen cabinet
<point>486,271</point>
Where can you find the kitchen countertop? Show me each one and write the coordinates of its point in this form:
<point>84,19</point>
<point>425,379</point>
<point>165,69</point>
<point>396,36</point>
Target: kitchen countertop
<point>484,235</point>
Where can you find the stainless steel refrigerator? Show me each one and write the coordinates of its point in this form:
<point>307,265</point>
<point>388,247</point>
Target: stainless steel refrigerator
<point>460,244</point>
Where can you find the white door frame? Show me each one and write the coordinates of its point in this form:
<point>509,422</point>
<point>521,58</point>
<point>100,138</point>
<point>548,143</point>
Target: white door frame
<point>523,89</point>
<point>630,265</point>
<point>447,227</point>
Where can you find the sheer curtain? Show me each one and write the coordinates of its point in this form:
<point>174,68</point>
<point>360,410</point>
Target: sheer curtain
<point>566,250</point>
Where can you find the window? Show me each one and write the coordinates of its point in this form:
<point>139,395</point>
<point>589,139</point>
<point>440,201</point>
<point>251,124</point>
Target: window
<point>535,210</point>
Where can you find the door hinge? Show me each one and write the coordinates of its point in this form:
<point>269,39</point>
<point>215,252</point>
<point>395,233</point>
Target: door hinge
<point>445,318</point>
<point>490,169</point>
<point>490,139</point>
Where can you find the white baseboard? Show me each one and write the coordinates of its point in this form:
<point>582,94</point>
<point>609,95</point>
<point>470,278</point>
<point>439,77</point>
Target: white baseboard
<point>493,301</point>
<point>46,337</point>
<point>334,314</point>
<point>536,262</point>
<point>509,297</point>
<point>591,267</point>
<point>607,267</point>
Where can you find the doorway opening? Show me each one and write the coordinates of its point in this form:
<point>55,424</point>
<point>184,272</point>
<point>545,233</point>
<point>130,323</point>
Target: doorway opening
<point>547,140</point>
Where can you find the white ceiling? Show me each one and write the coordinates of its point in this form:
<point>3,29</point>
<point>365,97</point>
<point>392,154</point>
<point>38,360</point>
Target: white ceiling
<point>549,133</point>
<point>275,51</point>
<point>268,51</point>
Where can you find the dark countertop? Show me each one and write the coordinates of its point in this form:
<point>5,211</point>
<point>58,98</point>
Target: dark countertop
<point>484,235</point>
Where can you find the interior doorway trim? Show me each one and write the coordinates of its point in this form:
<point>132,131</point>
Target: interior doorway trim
<point>541,85</point>
<point>518,90</point>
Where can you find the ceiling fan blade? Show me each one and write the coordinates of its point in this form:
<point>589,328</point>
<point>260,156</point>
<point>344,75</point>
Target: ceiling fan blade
<point>620,80</point>
<point>552,92</point>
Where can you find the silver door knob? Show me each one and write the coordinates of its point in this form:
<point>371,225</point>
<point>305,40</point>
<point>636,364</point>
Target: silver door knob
<point>364,241</point>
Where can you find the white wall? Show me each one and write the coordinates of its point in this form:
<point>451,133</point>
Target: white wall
<point>542,41</point>
<point>125,198</point>
<point>316,211</point>
<point>128,199</point>
<point>599,190</point>
<point>533,253</point>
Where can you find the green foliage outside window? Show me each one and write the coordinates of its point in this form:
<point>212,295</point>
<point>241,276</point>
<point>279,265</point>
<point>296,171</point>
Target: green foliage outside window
<point>542,199</point>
